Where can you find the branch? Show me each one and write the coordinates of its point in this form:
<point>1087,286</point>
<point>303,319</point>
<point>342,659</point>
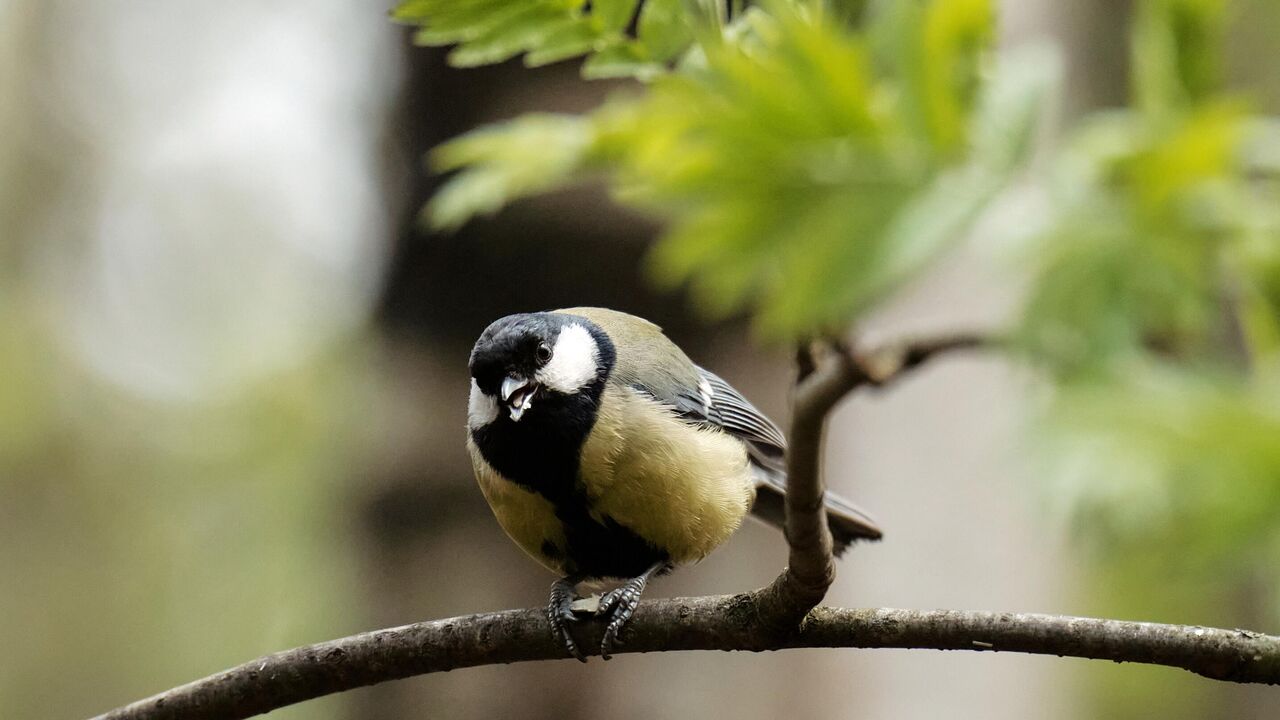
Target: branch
<point>810,567</point>
<point>824,379</point>
<point>885,365</point>
<point>729,622</point>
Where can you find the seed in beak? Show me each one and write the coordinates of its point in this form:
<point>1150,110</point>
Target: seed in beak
<point>518,393</point>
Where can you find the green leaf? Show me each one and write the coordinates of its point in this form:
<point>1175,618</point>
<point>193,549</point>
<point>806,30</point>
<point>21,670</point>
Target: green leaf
<point>547,31</point>
<point>626,59</point>
<point>460,22</point>
<point>664,29</point>
<point>614,15</point>
<point>575,37</point>
<point>956,33</point>
<point>528,28</point>
<point>1012,106</point>
<point>936,50</point>
<point>504,162</point>
<point>1177,52</point>
<point>1201,148</point>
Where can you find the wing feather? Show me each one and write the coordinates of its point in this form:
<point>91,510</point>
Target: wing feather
<point>715,403</point>
<point>739,417</point>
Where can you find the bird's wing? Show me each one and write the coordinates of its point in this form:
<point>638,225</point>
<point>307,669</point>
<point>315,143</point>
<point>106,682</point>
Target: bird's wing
<point>733,412</point>
<point>713,402</point>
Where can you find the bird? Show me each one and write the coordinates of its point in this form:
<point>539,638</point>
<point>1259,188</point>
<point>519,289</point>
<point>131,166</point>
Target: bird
<point>607,455</point>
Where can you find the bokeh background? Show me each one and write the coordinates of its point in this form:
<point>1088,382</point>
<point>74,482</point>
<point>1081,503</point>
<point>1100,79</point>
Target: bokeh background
<point>233,380</point>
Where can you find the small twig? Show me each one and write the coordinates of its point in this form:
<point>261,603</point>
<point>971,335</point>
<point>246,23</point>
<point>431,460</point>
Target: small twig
<point>805,364</point>
<point>891,362</point>
<point>1235,345</point>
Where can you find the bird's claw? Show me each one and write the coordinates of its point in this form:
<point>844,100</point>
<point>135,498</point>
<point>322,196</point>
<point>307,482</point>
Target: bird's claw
<point>619,605</point>
<point>560,615</point>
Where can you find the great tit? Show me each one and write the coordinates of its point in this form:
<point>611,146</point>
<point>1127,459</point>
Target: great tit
<point>607,454</point>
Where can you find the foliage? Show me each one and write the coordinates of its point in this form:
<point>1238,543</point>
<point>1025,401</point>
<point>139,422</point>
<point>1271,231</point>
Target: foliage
<point>1163,252</point>
<point>547,31</point>
<point>1156,311</point>
<point>528,155</point>
<point>1160,215</point>
<point>806,169</point>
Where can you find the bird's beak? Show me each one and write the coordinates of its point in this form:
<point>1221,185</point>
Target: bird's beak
<point>517,395</point>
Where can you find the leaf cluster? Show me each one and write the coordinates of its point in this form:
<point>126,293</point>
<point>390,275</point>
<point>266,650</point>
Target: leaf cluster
<point>618,38</point>
<point>1156,309</point>
<point>805,168</point>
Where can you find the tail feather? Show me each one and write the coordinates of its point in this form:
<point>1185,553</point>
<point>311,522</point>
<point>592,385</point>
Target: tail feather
<point>847,521</point>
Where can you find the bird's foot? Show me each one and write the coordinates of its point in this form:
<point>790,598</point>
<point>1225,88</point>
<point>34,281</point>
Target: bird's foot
<point>560,614</point>
<point>619,604</point>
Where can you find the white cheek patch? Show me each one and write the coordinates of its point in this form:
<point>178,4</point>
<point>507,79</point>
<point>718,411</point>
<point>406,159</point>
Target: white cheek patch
<point>481,409</point>
<point>574,361</point>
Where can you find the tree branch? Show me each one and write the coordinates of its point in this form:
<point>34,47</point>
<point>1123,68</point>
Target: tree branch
<point>810,567</point>
<point>826,374</point>
<point>730,622</point>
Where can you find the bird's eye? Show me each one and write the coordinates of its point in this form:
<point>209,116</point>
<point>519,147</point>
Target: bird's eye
<point>543,353</point>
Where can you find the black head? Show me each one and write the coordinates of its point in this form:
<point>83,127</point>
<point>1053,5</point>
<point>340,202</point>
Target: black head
<point>521,360</point>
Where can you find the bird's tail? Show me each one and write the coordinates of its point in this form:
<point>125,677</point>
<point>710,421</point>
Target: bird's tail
<point>847,521</point>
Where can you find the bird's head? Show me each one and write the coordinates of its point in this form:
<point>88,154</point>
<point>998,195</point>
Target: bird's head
<point>523,359</point>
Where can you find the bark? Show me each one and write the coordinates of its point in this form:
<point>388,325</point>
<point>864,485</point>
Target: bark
<point>704,623</point>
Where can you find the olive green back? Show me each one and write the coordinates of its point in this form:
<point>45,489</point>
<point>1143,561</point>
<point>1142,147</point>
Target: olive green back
<point>645,356</point>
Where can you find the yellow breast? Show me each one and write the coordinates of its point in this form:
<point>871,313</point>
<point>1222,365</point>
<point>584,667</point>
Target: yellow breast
<point>683,489</point>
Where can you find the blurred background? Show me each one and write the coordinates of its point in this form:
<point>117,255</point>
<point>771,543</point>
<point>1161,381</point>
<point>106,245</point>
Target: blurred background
<point>234,377</point>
